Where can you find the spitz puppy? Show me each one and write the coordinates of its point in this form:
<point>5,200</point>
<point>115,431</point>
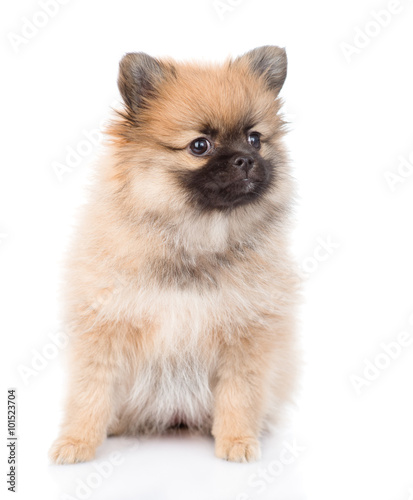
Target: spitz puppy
<point>179,293</point>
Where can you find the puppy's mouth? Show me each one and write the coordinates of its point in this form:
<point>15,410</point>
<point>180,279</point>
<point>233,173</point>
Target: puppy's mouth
<point>242,185</point>
<point>248,185</point>
<point>226,188</point>
<point>247,182</point>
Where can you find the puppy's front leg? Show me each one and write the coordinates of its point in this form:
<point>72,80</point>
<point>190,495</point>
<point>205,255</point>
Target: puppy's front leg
<point>89,403</point>
<point>240,397</point>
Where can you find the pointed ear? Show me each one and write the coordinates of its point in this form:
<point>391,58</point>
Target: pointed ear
<point>139,74</point>
<point>270,62</point>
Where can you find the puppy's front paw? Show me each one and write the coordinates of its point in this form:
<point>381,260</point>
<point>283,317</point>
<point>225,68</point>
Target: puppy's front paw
<point>68,450</point>
<point>238,449</point>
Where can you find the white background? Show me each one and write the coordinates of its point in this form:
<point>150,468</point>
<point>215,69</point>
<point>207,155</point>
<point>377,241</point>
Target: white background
<point>350,125</point>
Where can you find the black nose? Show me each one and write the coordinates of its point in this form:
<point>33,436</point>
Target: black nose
<point>243,162</point>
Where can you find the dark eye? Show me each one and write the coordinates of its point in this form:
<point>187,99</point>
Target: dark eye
<point>254,140</point>
<point>200,146</point>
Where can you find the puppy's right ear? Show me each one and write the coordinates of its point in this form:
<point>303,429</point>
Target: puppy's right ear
<point>139,74</point>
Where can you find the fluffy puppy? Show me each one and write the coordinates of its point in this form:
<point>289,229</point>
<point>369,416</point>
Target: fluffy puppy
<point>179,292</point>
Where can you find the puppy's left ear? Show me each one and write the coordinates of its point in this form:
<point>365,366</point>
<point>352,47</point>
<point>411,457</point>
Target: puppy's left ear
<point>268,61</point>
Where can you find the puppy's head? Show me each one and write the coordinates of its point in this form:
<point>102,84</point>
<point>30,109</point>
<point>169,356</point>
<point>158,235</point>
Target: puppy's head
<point>207,136</point>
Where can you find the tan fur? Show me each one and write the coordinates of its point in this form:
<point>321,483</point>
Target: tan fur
<point>177,315</point>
